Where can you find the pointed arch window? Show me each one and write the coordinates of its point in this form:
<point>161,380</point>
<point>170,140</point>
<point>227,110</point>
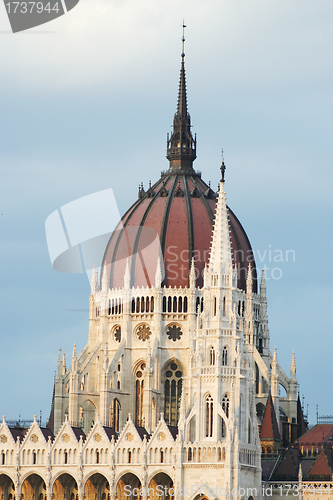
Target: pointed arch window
<point>209,415</point>
<point>139,382</point>
<point>172,393</point>
<point>257,378</point>
<point>225,404</point>
<point>225,356</point>
<point>114,414</point>
<point>224,306</point>
<point>223,428</point>
<point>215,308</point>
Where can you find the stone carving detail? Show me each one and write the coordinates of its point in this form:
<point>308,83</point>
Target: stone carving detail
<point>161,436</point>
<point>129,436</point>
<point>3,438</point>
<point>34,438</point>
<point>66,438</point>
<point>143,332</point>
<point>98,437</point>
<point>174,333</point>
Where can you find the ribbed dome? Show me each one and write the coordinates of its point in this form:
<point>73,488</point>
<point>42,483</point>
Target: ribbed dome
<point>173,220</point>
<point>179,209</point>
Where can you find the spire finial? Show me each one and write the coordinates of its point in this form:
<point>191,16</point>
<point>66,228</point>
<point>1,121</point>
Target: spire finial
<point>183,41</point>
<point>181,146</point>
<point>223,168</point>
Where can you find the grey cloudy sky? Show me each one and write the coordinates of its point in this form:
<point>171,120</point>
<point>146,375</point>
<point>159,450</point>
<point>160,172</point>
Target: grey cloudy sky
<point>86,102</point>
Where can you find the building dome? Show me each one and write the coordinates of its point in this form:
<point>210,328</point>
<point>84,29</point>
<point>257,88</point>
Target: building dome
<point>173,220</point>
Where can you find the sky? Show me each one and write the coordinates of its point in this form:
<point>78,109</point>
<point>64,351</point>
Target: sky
<point>86,102</point>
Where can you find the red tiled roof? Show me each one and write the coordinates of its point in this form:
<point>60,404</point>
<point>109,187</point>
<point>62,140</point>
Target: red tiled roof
<point>321,466</point>
<point>269,429</point>
<point>318,435</point>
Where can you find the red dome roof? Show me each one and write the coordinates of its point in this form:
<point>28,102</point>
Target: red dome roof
<point>179,209</point>
<point>174,219</point>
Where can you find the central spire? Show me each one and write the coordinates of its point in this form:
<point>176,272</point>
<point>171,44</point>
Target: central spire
<point>181,147</point>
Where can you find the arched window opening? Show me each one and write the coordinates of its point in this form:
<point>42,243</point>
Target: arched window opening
<point>185,304</point>
<point>137,304</point>
<point>139,395</point>
<point>209,416</point>
<point>202,304</point>
<point>3,458</point>
<point>133,306</point>
<point>223,428</point>
<point>257,378</point>
<point>197,305</point>
<point>224,307</point>
<point>147,304</point>
<point>34,458</point>
<point>212,356</point>
<point>174,309</point>
<point>109,312</point>
<point>172,393</point>
<point>214,306</point>
<point>152,304</point>
<point>225,356</point>
<point>162,457</point>
<point>225,404</point>
<point>142,304</point>
<point>97,457</point>
<point>114,414</point>
<point>189,455</point>
<point>260,346</point>
<point>180,304</point>
<point>249,433</point>
<point>164,304</point>
<point>129,456</point>
<point>169,304</point>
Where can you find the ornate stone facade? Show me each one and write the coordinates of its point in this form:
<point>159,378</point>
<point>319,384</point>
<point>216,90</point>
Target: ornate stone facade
<point>163,400</point>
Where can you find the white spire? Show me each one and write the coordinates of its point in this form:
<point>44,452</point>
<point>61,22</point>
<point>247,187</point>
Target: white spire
<point>192,274</point>
<point>274,362</point>
<point>158,274</point>
<point>220,258</point>
<point>94,282</point>
<point>74,359</point>
<point>249,280</point>
<point>105,279</point>
<point>63,364</point>
<point>127,276</point>
<point>293,364</point>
